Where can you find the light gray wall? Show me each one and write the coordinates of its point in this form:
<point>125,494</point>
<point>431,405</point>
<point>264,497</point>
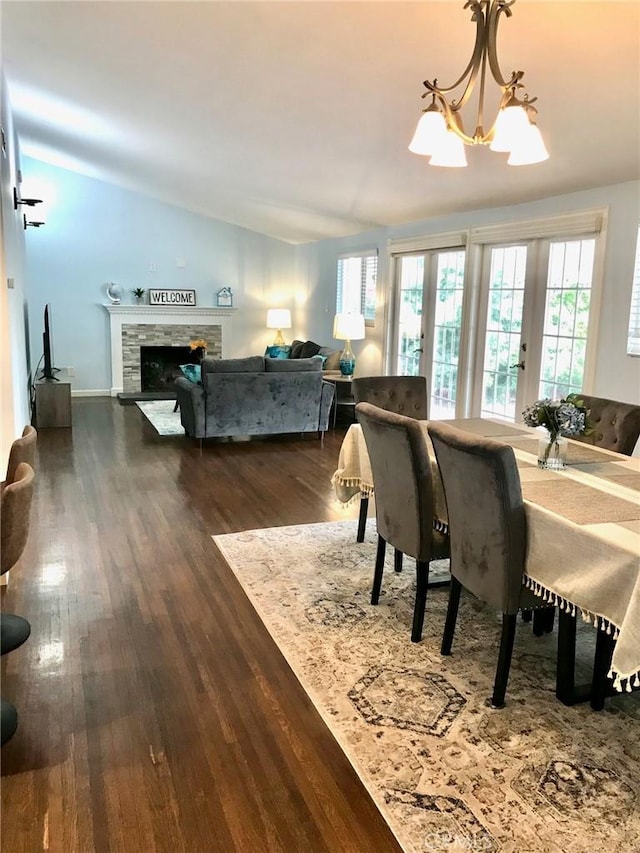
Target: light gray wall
<point>617,375</point>
<point>96,232</point>
<point>14,371</point>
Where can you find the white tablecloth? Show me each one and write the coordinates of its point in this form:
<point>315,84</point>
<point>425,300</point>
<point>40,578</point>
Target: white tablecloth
<point>582,554</point>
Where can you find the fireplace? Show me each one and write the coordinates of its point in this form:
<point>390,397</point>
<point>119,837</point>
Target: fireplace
<point>137,326</point>
<point>160,366</point>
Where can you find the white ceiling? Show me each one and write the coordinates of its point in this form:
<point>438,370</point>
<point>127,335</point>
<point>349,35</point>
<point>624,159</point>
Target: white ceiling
<point>293,118</point>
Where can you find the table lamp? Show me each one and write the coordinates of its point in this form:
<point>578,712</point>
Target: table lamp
<point>347,328</point>
<point>278,318</point>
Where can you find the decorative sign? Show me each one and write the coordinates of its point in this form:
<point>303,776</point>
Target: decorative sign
<point>224,298</point>
<point>172,297</point>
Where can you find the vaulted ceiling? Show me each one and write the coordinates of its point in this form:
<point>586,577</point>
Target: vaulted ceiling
<point>293,118</point>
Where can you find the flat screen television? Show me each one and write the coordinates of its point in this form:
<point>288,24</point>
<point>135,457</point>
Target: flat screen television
<point>48,370</point>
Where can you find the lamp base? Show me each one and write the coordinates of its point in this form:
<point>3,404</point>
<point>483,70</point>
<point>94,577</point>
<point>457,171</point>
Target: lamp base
<point>279,340</point>
<point>347,360</point>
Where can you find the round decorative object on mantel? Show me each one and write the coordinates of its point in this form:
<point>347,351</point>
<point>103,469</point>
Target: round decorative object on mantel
<point>114,292</point>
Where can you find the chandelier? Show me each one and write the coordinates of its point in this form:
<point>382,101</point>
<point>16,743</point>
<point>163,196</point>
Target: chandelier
<point>440,133</point>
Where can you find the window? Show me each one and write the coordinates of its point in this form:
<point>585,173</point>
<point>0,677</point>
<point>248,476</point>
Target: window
<point>633,341</point>
<point>357,276</point>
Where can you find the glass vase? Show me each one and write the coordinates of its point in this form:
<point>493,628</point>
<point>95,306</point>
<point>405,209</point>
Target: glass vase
<point>552,452</point>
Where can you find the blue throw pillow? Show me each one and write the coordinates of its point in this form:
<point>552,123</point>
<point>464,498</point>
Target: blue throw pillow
<point>275,351</point>
<point>192,372</point>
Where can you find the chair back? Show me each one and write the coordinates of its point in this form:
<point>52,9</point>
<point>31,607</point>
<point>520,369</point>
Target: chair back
<point>401,469</point>
<point>487,524</point>
<point>22,450</point>
<point>404,395</point>
<point>616,425</point>
<point>14,516</point>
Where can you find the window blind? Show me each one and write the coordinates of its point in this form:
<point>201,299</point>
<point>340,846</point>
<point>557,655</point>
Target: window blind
<point>356,285</point>
<point>633,340</point>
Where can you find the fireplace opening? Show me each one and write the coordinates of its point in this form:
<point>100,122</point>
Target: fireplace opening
<point>160,366</point>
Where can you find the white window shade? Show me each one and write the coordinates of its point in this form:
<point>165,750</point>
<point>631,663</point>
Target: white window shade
<point>356,285</point>
<point>633,340</point>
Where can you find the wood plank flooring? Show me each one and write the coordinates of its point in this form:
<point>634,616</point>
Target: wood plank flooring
<point>156,713</point>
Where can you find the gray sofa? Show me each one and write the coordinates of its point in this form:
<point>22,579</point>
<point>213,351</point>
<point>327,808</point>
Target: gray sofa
<point>255,396</point>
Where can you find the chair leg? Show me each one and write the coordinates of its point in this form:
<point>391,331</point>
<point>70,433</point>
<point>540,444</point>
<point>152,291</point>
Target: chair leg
<point>504,659</point>
<point>422,585</point>
<point>452,615</point>
<point>397,560</point>
<point>362,518</point>
<point>543,619</point>
<point>601,666</point>
<point>377,577</point>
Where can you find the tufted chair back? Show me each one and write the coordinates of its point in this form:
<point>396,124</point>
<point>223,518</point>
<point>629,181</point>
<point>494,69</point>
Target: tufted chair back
<point>22,450</point>
<point>616,425</point>
<point>487,523</point>
<point>403,395</point>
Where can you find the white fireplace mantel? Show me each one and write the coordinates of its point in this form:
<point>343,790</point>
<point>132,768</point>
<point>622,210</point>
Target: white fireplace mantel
<point>121,315</point>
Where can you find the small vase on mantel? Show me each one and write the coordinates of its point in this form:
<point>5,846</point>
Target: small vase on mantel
<point>552,451</point>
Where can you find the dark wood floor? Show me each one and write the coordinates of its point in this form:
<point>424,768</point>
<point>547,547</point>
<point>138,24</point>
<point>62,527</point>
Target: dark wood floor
<point>156,713</point>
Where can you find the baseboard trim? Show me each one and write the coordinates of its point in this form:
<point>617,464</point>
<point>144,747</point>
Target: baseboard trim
<point>100,392</point>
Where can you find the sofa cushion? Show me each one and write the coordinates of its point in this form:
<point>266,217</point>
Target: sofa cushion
<point>278,365</point>
<point>332,358</point>
<point>296,349</point>
<point>309,348</point>
<point>252,364</point>
<point>191,371</point>
<point>277,351</point>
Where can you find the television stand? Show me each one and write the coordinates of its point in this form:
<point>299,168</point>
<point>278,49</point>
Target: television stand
<point>52,403</point>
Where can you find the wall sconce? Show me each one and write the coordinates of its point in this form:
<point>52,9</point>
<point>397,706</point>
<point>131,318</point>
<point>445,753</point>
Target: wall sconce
<point>30,202</point>
<point>29,223</point>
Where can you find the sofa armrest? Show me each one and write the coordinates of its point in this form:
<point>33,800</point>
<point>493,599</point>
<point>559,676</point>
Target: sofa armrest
<point>328,390</point>
<point>191,400</point>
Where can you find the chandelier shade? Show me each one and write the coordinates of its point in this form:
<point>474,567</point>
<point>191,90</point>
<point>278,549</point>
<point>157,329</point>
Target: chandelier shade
<point>441,134</point>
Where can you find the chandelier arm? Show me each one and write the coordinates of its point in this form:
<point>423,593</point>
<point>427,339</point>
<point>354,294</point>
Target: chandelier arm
<point>474,63</point>
<point>499,7</point>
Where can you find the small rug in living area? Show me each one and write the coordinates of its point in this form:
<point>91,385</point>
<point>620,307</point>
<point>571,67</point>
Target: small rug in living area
<point>162,417</point>
<point>448,772</point>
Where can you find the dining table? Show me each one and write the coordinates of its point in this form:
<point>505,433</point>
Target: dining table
<point>583,536</point>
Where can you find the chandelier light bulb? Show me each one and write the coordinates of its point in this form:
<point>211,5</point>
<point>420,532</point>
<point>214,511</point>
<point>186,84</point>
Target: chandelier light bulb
<point>512,124</point>
<point>430,132</point>
<point>450,152</point>
<point>530,149</point>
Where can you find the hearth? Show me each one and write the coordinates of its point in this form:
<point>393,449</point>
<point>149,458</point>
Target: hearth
<point>160,366</point>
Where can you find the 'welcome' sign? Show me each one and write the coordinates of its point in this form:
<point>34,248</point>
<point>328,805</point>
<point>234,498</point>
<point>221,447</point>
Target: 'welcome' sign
<point>172,297</point>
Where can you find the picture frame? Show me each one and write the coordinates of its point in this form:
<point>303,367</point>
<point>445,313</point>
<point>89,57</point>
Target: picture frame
<point>173,297</point>
<point>224,298</point>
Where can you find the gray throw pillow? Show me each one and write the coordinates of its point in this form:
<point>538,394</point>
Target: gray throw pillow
<point>280,365</point>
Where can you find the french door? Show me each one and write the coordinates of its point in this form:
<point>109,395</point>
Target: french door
<point>429,290</point>
<point>533,322</point>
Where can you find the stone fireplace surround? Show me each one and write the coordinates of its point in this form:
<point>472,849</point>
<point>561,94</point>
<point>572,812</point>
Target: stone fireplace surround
<point>133,326</point>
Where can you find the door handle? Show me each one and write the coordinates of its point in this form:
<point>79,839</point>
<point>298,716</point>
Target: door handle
<point>417,350</point>
<point>519,364</point>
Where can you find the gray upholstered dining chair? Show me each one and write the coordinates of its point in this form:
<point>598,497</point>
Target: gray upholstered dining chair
<point>487,534</point>
<point>404,395</point>
<point>402,481</point>
<point>616,425</point>
<point>15,512</point>
<point>23,449</point>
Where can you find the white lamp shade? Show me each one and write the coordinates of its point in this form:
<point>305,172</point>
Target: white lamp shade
<point>450,152</point>
<point>278,318</point>
<point>430,133</point>
<point>512,125</point>
<point>348,327</point>
<point>530,149</point>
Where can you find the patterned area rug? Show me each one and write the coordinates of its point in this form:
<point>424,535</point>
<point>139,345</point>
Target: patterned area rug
<point>161,415</point>
<point>447,771</point>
